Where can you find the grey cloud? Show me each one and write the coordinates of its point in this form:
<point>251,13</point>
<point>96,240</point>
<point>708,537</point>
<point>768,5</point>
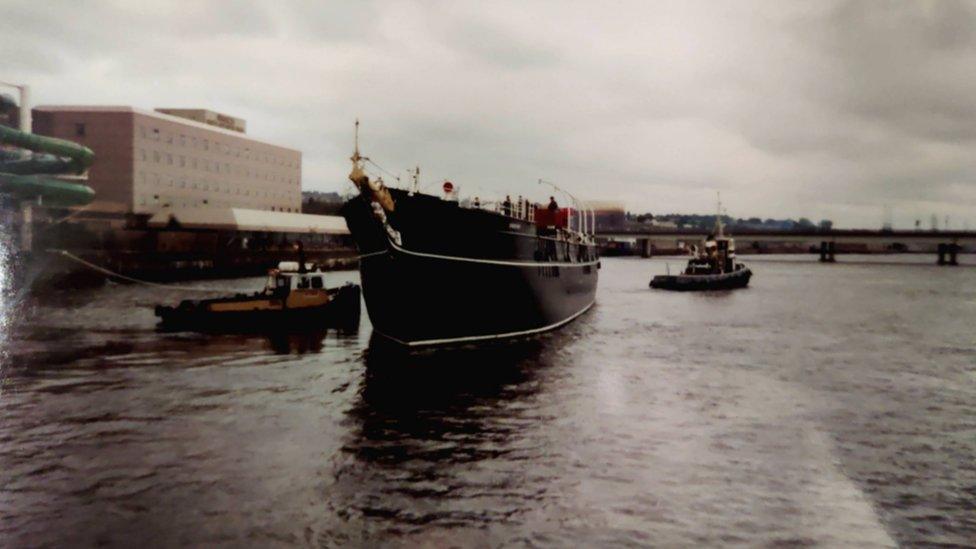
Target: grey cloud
<point>907,65</point>
<point>498,47</point>
<point>826,109</point>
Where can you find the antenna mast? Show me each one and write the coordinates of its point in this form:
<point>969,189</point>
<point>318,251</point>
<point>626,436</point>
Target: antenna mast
<point>581,210</point>
<point>357,175</point>
<point>718,216</point>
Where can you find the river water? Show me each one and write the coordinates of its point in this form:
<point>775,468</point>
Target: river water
<point>824,405</point>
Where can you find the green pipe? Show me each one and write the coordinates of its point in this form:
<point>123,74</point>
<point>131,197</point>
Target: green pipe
<point>41,164</point>
<point>19,176</point>
<point>52,192</point>
<point>82,157</point>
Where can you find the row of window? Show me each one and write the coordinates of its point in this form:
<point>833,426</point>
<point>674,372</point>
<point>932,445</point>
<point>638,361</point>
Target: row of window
<point>210,166</point>
<point>144,179</point>
<point>156,201</point>
<point>155,134</point>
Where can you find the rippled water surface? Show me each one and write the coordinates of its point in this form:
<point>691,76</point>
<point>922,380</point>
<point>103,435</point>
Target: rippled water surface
<point>825,404</point>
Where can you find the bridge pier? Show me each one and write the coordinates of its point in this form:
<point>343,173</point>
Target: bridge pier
<point>827,251</point>
<point>654,240</point>
<point>948,254</point>
<point>646,249</point>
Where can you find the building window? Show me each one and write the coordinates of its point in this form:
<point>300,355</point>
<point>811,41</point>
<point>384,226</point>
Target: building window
<point>206,145</point>
<point>169,158</point>
<point>194,141</point>
<point>182,140</point>
<point>194,161</point>
<point>80,129</point>
<point>169,138</point>
<point>155,156</point>
<point>182,161</point>
<point>142,154</point>
<point>142,132</point>
<point>156,134</point>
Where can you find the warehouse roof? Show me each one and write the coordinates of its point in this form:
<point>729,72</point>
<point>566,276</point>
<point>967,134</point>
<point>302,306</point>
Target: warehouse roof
<point>240,219</point>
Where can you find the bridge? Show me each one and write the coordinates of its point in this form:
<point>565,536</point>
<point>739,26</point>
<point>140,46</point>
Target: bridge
<point>651,241</point>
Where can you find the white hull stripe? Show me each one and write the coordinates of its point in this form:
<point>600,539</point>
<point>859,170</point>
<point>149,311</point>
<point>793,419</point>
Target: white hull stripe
<point>484,261</point>
<point>371,254</point>
<point>425,342</point>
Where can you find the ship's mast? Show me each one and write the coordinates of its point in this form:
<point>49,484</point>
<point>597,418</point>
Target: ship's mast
<point>718,216</point>
<point>356,157</point>
<point>358,175</point>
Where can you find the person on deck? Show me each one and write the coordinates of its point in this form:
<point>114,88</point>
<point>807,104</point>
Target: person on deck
<point>507,206</point>
<point>552,204</point>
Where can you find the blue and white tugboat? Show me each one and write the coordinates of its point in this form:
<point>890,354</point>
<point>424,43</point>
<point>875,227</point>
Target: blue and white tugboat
<point>439,271</point>
<point>714,267</point>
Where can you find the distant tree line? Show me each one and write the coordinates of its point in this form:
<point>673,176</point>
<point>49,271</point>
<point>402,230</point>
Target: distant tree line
<point>320,203</point>
<point>707,221</point>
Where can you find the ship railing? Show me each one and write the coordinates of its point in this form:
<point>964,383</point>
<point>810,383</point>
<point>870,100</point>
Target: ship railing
<point>581,225</point>
<point>523,210</point>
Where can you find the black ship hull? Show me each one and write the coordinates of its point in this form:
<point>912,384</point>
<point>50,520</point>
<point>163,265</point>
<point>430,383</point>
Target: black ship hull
<point>459,275</point>
<point>691,283</point>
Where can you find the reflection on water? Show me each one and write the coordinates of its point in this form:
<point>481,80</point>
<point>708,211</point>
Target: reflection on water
<point>440,396</point>
<point>825,404</point>
<point>300,343</point>
<point>436,441</point>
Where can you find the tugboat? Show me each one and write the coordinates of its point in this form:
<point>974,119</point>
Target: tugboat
<point>438,271</point>
<point>294,299</point>
<point>714,268</point>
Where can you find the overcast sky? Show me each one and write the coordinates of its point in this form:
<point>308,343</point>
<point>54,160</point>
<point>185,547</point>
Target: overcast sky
<point>817,109</point>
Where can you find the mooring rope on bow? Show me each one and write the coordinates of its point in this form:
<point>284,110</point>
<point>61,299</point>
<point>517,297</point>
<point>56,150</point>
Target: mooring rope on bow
<point>382,169</point>
<point>114,274</point>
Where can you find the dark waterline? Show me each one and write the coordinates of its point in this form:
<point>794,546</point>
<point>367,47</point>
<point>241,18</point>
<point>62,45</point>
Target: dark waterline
<point>825,404</point>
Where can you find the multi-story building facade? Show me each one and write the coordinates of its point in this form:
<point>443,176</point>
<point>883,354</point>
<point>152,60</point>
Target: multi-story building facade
<point>148,161</point>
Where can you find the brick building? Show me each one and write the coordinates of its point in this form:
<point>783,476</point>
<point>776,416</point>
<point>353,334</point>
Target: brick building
<point>151,161</point>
